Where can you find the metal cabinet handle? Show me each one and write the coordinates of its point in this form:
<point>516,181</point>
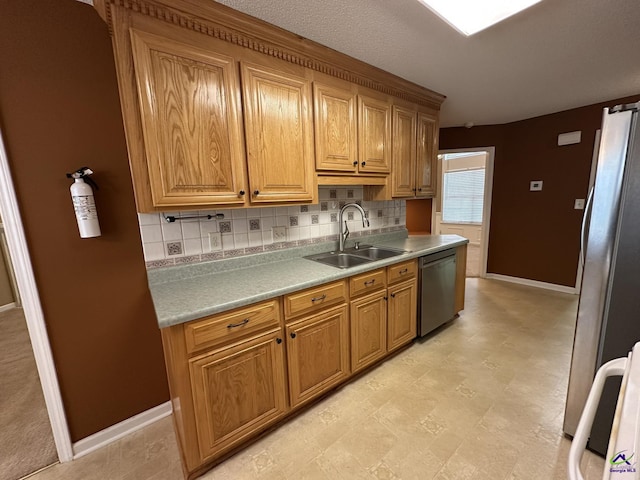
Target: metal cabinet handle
<point>355,163</point>
<point>420,189</point>
<point>393,295</point>
<point>320,298</point>
<point>364,163</point>
<point>256,192</point>
<point>293,335</point>
<point>278,341</point>
<point>403,271</point>
<point>241,193</point>
<point>234,325</point>
<point>370,282</point>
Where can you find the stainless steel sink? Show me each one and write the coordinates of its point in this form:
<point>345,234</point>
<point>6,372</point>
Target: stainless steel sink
<point>353,257</point>
<point>376,253</point>
<point>339,260</point>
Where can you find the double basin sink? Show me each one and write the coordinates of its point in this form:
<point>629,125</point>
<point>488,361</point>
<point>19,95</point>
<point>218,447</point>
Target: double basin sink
<point>352,257</point>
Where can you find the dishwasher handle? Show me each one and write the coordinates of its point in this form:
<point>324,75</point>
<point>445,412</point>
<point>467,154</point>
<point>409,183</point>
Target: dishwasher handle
<point>424,263</point>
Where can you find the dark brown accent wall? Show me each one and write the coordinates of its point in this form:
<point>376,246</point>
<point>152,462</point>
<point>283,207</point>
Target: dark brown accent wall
<point>60,110</point>
<point>536,235</point>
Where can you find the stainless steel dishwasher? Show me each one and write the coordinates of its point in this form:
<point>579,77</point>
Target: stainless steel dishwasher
<point>437,287</point>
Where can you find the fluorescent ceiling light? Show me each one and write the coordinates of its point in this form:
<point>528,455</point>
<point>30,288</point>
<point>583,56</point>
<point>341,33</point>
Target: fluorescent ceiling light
<point>471,16</point>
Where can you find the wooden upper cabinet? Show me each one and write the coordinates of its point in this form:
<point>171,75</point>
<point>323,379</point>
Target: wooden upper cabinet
<point>374,135</point>
<point>335,128</point>
<point>279,135</point>
<point>403,171</point>
<point>191,124</point>
<point>427,153</point>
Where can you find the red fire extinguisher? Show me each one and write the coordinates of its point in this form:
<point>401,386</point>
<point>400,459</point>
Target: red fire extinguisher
<point>83,202</point>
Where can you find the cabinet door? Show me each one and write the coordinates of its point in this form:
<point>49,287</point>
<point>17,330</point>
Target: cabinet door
<point>237,391</point>
<point>461,275</point>
<point>403,171</point>
<point>402,319</point>
<point>427,155</point>
<point>279,135</point>
<point>335,129</point>
<point>190,103</point>
<point>374,135</point>
<point>368,330</point>
<point>317,353</point>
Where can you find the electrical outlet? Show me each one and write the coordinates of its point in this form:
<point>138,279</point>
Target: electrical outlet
<point>215,241</point>
<point>279,234</point>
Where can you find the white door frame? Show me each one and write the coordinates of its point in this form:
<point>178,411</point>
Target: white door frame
<point>23,270</point>
<point>488,188</point>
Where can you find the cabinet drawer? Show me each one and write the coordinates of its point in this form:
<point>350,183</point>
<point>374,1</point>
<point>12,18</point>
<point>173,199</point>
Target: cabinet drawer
<point>402,271</point>
<point>314,298</point>
<point>231,325</point>
<point>367,282</point>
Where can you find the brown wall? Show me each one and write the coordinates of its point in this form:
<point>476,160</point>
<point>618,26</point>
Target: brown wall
<point>536,235</point>
<point>59,110</point>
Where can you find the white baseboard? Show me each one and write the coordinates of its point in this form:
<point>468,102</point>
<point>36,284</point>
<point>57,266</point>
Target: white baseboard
<point>533,283</point>
<point>8,306</point>
<point>119,430</point>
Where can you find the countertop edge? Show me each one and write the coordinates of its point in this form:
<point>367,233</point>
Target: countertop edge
<point>332,274</point>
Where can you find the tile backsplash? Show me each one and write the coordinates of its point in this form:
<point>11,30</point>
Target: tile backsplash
<point>245,231</point>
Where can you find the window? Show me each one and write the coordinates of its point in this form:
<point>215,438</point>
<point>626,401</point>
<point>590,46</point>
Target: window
<point>463,196</point>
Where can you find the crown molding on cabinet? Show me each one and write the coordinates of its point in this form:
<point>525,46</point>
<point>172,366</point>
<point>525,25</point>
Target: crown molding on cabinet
<point>223,23</point>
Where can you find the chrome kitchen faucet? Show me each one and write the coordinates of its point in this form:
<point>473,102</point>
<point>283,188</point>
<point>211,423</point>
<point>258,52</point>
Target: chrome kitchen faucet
<point>344,234</point>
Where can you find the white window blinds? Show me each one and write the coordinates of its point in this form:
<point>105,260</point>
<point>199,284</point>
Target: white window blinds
<point>463,196</point>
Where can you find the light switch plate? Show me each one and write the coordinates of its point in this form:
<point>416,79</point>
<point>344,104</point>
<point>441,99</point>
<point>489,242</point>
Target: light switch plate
<point>215,241</point>
<point>279,234</point>
<point>535,185</point>
<point>578,204</point>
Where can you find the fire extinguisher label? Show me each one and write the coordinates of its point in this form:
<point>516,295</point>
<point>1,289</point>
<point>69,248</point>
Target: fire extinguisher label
<point>85,207</point>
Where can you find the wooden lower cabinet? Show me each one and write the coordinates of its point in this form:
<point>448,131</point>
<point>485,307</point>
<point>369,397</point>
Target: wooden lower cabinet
<point>237,391</point>
<point>368,330</point>
<point>234,374</point>
<point>461,275</point>
<point>317,354</point>
<point>401,319</point>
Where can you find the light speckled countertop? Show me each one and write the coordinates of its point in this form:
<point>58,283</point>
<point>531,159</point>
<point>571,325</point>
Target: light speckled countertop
<point>189,292</point>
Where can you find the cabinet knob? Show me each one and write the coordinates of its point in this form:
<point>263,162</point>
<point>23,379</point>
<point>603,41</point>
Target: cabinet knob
<point>420,189</point>
<point>393,295</point>
<point>414,189</point>
<point>256,192</point>
<point>278,341</point>
<point>355,164</point>
<point>363,163</point>
<point>386,298</point>
<point>293,335</point>
<point>241,193</point>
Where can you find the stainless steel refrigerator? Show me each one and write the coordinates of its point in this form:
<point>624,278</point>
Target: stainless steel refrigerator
<point>608,322</point>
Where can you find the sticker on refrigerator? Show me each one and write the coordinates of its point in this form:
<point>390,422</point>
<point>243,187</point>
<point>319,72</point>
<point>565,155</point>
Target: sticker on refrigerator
<point>621,462</point>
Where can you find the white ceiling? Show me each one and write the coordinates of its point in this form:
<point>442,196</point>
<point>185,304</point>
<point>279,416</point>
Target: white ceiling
<point>559,54</point>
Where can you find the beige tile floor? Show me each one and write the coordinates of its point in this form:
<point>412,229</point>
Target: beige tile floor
<point>482,399</point>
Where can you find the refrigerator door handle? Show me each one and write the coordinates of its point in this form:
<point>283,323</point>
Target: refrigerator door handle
<point>612,368</point>
<point>583,229</point>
